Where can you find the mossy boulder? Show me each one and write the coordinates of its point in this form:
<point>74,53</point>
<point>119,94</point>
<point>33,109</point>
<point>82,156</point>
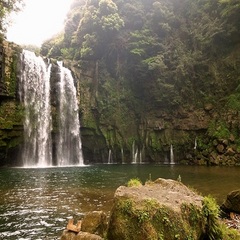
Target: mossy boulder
<point>164,209</point>
<point>232,202</point>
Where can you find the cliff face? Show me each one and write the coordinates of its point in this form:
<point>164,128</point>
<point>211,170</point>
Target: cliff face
<point>121,125</point>
<point>137,118</point>
<point>11,111</point>
<point>158,80</point>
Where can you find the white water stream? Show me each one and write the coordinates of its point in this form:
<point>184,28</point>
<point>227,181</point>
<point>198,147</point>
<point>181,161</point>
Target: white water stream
<point>34,91</point>
<point>35,95</point>
<point>69,146</point>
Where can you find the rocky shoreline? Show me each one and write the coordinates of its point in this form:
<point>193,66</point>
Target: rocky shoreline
<point>160,209</point>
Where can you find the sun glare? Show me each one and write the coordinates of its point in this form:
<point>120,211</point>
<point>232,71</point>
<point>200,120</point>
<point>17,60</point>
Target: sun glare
<point>38,21</point>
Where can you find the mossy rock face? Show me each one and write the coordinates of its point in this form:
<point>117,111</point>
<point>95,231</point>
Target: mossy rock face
<point>165,209</point>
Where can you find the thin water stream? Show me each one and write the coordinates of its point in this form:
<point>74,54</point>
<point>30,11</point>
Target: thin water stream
<point>36,203</point>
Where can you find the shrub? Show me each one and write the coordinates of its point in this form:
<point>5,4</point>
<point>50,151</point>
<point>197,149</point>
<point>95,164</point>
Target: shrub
<point>134,182</point>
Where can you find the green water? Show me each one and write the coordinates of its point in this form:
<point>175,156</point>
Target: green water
<point>36,203</point>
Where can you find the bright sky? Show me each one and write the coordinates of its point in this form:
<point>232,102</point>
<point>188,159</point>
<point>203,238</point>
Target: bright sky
<point>39,21</point>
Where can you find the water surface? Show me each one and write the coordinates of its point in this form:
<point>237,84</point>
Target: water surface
<point>36,203</point>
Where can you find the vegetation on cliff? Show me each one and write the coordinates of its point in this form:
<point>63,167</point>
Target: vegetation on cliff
<point>153,74</point>
<point>148,65</point>
<point>6,7</point>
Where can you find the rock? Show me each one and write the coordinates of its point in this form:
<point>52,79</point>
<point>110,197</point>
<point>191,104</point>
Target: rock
<point>230,152</point>
<point>220,148</point>
<point>92,227</point>
<point>68,235</point>
<point>225,142</point>
<point>208,107</point>
<point>232,202</point>
<point>164,209</point>
<point>72,227</point>
<point>232,138</point>
<point>87,236</point>
<point>95,222</point>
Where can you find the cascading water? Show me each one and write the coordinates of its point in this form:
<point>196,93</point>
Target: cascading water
<point>34,92</point>
<point>195,144</point>
<point>35,95</point>
<point>171,155</point>
<point>109,156</point>
<point>69,146</point>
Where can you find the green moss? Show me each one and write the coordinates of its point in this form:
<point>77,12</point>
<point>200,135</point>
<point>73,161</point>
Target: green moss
<point>155,143</point>
<point>218,130</point>
<point>210,211</point>
<point>10,114</point>
<point>125,206</point>
<point>192,214</point>
<point>153,221</point>
<point>134,182</point>
<point>215,229</point>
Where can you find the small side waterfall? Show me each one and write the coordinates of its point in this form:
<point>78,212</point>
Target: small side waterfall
<point>109,156</point>
<point>69,146</point>
<point>171,155</point>
<point>34,91</point>
<point>195,144</point>
<point>122,155</point>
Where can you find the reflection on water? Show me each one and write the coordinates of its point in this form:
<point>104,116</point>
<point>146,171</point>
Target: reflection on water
<point>36,203</point>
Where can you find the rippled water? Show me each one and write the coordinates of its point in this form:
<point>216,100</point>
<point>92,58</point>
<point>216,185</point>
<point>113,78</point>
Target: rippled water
<point>36,203</point>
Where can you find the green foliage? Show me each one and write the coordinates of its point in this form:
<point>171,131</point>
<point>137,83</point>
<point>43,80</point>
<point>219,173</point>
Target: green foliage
<point>156,56</point>
<point>218,130</point>
<point>233,100</point>
<point>112,22</point>
<point>192,214</point>
<point>134,182</point>
<point>210,211</point>
<point>10,114</point>
<point>6,7</point>
<point>125,206</point>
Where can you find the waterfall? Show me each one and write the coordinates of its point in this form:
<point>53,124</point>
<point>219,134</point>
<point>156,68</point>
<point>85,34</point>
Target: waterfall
<point>122,155</point>
<point>133,151</point>
<point>34,93</point>
<point>135,156</point>
<point>69,146</point>
<point>109,156</point>
<point>195,144</point>
<point>171,155</point>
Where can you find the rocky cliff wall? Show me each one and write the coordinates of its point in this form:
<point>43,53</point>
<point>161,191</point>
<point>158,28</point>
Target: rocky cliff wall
<point>11,111</point>
<point>119,124</point>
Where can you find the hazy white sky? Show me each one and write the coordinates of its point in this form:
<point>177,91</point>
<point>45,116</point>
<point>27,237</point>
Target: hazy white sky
<point>39,20</point>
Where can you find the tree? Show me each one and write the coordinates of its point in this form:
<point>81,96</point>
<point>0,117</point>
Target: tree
<point>6,7</point>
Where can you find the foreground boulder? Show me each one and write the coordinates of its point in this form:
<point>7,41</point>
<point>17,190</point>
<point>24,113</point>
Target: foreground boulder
<point>164,209</point>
